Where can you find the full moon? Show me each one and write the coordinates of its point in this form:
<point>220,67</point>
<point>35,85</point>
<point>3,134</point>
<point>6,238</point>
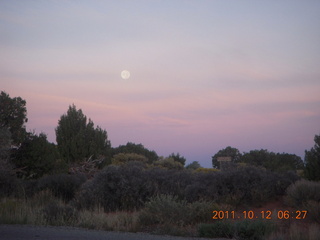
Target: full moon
<point>125,74</point>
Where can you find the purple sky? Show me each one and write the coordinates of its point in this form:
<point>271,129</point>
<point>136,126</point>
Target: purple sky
<point>204,74</point>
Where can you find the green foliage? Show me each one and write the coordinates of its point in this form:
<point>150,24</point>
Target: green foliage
<point>194,165</point>
<point>303,191</point>
<point>123,187</point>
<point>8,181</point>
<point>305,195</point>
<point>36,156</point>
<point>168,163</point>
<point>164,209</point>
<point>5,143</point>
<point>178,158</point>
<point>201,211</point>
<point>243,186</point>
<point>279,162</point>
<point>123,158</point>
<point>207,170</point>
<point>253,230</point>
<point>13,116</point>
<point>234,153</point>
<point>9,184</point>
<point>169,181</point>
<point>63,186</point>
<point>287,162</point>
<point>219,229</point>
<point>169,210</point>
<point>129,186</point>
<point>77,138</point>
<point>312,160</point>
<point>137,149</point>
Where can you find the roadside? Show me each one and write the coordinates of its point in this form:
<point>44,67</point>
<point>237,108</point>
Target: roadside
<point>29,232</point>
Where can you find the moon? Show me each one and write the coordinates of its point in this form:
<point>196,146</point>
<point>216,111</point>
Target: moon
<point>125,74</point>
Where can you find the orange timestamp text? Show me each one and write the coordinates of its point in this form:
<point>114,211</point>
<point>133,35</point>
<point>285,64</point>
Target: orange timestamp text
<point>279,214</point>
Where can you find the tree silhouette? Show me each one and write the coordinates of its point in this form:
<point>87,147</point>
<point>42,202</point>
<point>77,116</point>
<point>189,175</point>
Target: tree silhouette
<point>77,138</point>
<point>312,160</point>
<point>13,116</point>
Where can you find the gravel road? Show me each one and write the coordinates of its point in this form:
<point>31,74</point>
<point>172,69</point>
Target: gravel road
<point>27,232</point>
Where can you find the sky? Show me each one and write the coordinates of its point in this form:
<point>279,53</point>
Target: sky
<point>204,75</point>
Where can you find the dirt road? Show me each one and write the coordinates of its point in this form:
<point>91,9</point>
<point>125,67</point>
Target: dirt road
<point>26,232</point>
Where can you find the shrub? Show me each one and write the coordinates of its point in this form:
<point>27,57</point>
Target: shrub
<point>123,158</point>
<point>56,213</point>
<point>9,183</point>
<point>305,194</point>
<point>163,209</point>
<point>243,186</point>
<point>131,185</point>
<point>313,208</point>
<point>63,186</point>
<point>35,155</point>
<point>224,229</point>
<point>303,191</point>
<point>168,210</point>
<point>201,211</point>
<point>117,188</point>
<point>207,170</point>
<point>169,163</point>
<point>255,230</point>
<point>169,181</point>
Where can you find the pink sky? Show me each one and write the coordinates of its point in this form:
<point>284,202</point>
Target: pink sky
<point>204,74</point>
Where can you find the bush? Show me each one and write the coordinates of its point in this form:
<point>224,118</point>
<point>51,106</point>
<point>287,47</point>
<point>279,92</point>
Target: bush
<point>303,191</point>
<point>243,186</point>
<point>56,213</point>
<point>63,186</point>
<point>224,229</point>
<point>313,209</point>
<point>117,188</point>
<point>169,181</point>
<point>35,155</point>
<point>255,230</point>
<point>123,158</point>
<point>164,209</point>
<point>130,186</point>
<point>9,183</point>
<point>169,210</point>
<point>201,211</point>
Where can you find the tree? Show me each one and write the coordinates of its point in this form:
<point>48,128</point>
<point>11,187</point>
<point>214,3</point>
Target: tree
<point>287,162</point>
<point>36,156</point>
<point>261,157</point>
<point>178,158</point>
<point>77,138</point>
<point>138,149</point>
<point>168,163</point>
<point>194,165</point>
<point>234,153</point>
<point>13,116</point>
<point>312,160</point>
<point>123,158</point>
<point>5,143</point>
<point>9,184</point>
<point>279,162</point>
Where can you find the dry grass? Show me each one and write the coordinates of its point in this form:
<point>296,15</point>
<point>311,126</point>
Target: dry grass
<point>297,232</point>
<point>117,221</point>
<point>45,209</point>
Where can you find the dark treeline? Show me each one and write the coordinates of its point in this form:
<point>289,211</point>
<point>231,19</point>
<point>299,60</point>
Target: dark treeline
<point>129,186</point>
<point>84,169</point>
